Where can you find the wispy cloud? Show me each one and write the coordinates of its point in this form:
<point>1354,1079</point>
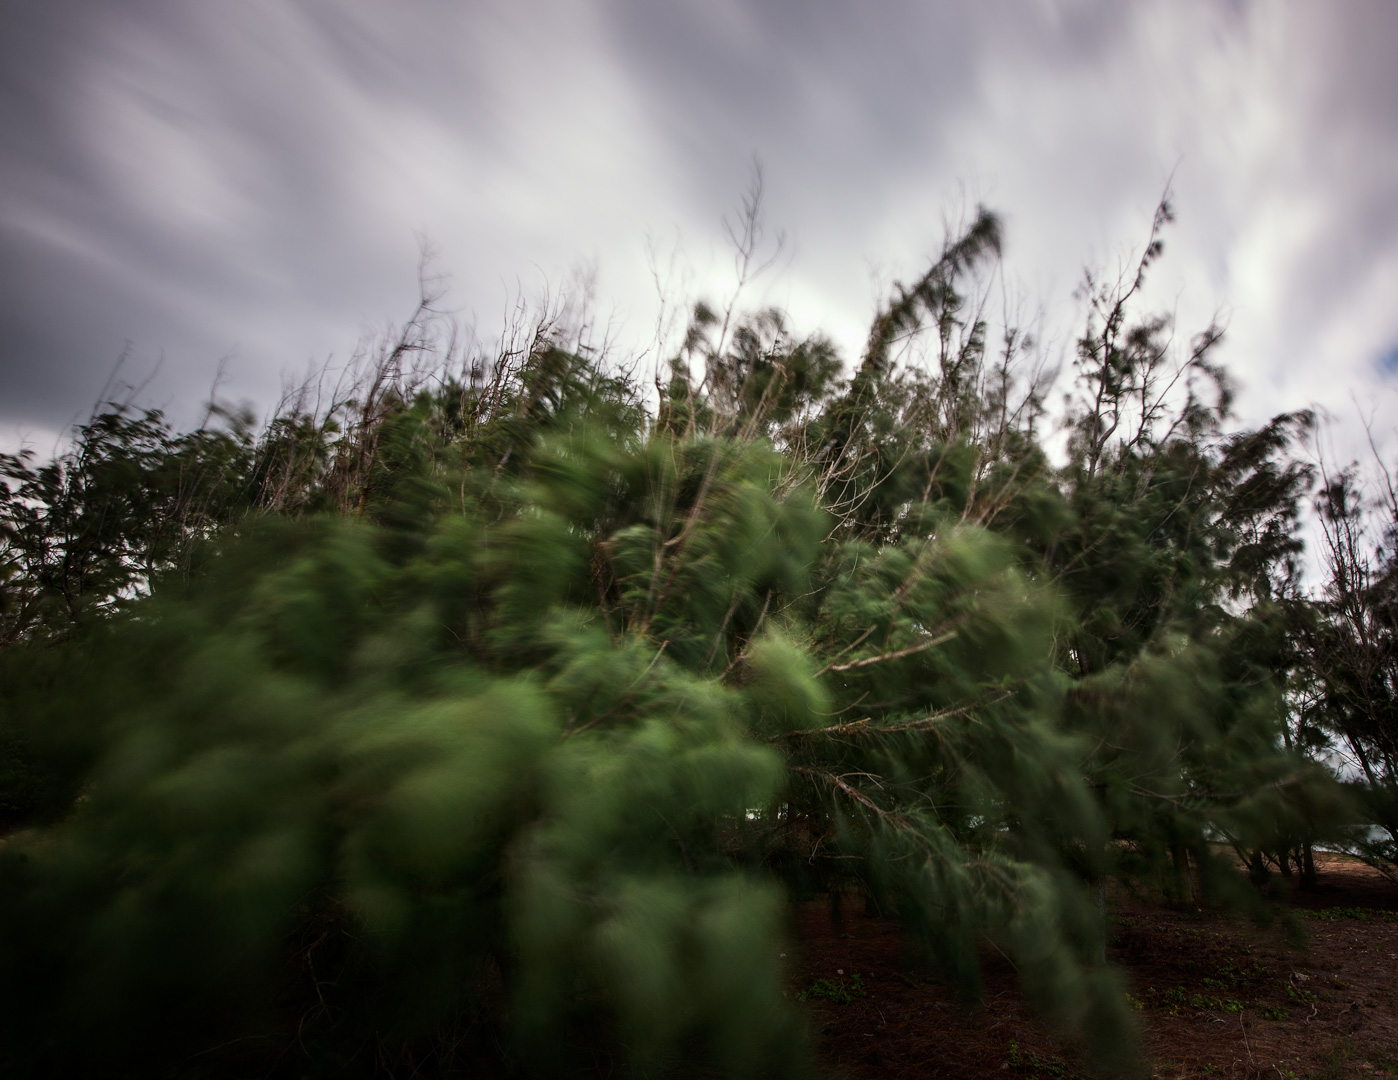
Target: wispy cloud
<point>250,179</point>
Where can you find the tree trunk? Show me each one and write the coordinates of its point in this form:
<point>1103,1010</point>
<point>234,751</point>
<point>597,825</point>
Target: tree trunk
<point>1102,920</point>
<point>1182,892</point>
<point>837,913</point>
<point>1308,876</point>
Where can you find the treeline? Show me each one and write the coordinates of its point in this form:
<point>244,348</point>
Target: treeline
<point>486,712</point>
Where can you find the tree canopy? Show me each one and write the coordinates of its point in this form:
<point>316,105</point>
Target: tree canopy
<point>491,715</point>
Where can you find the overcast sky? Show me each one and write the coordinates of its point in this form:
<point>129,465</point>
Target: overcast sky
<point>248,180</point>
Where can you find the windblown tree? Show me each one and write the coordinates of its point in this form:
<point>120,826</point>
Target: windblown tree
<point>1181,544</point>
<point>481,717</point>
<point>96,524</point>
<point>1349,643</point>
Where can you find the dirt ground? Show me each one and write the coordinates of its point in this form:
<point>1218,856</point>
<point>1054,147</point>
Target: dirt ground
<point>1217,996</point>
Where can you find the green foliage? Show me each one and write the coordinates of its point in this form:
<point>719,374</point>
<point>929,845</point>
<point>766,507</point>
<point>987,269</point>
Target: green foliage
<point>1348,643</point>
<point>1335,914</point>
<point>481,716</point>
<point>1176,1000</point>
<point>1027,1063</point>
<point>93,527</point>
<point>414,756</point>
<point>840,991</point>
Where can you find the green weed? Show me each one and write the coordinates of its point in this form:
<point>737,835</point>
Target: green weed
<point>1026,1063</point>
<point>836,990</point>
<point>1336,914</point>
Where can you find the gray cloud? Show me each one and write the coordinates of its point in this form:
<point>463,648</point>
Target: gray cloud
<point>250,179</point>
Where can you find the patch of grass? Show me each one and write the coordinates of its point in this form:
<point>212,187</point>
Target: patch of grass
<point>836,990</point>
<point>1232,976</point>
<point>1026,1063</point>
<point>1335,1064</point>
<point>1177,1069</point>
<point>1176,999</point>
<point>1273,1012</point>
<point>1336,914</point>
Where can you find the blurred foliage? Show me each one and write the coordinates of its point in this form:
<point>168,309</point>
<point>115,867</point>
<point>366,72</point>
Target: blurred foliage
<point>481,718</point>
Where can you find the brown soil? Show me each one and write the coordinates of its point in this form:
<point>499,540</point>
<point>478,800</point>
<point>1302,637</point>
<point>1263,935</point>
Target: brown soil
<point>1217,995</point>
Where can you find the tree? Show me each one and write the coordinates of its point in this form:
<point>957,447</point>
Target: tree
<point>496,715</point>
<point>1180,551</point>
<point>96,525</point>
<point>1350,642</point>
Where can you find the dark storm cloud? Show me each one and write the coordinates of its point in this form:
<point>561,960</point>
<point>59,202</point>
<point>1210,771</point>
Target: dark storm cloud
<point>178,180</point>
<point>249,179</point>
